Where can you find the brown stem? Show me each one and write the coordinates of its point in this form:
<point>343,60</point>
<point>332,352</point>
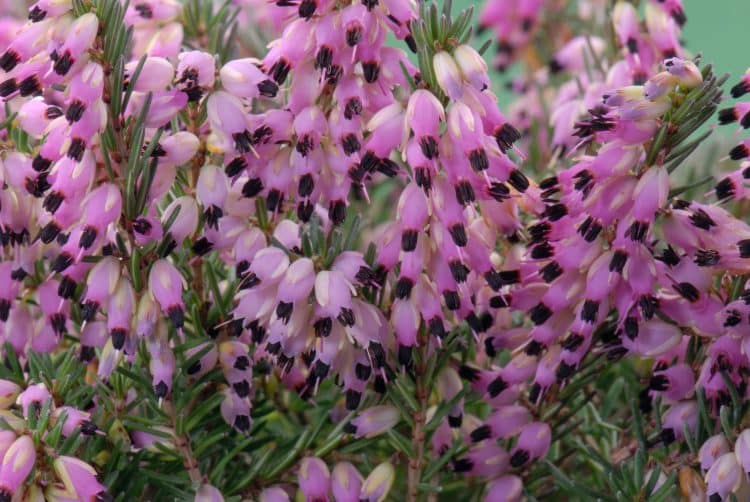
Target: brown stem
<point>196,165</point>
<point>182,443</point>
<point>414,474</point>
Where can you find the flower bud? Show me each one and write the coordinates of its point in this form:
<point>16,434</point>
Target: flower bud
<point>659,85</point>
<point>687,73</point>
<point>287,232</point>
<point>508,488</point>
<point>314,478</point>
<point>663,30</point>
<point>268,267</point>
<point>346,482</point>
<point>8,393</point>
<point>378,483</point>
<point>156,75</point>
<point>413,212</point>
<point>179,148</point>
<point>448,75</point>
<point>108,360</point>
<point>212,189</point>
<point>186,221</point>
<point>208,493</point>
<point>16,466</point>
<point>741,449</point>
<point>149,441</point>
<point>78,477</point>
<point>146,315</point>
<point>273,494</point>
<point>227,117</point>
<point>374,421</point>
<point>473,66</point>
<point>724,477</point>
<point>103,207</point>
<point>713,448</point>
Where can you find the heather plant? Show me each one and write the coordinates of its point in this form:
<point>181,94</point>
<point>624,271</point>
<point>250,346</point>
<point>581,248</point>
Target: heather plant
<point>296,250</point>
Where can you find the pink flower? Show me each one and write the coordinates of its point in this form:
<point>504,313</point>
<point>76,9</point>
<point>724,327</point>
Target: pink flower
<point>346,482</point>
<point>16,465</point>
<point>208,493</point>
<point>314,479</point>
<point>78,477</point>
<point>374,421</point>
<point>724,477</point>
<point>166,284</point>
<point>378,483</point>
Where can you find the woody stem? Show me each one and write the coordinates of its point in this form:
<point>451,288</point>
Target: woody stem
<point>418,434</point>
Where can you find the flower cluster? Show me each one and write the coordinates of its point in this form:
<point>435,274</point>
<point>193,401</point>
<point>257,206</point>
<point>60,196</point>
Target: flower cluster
<point>28,445</point>
<point>343,482</point>
<point>733,186</point>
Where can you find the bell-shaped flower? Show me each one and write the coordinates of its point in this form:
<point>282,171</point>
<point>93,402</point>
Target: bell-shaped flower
<point>100,285</point>
<point>713,448</point>
<point>80,37</point>
<point>333,294</point>
<point>33,398</point>
<point>16,465</point>
<point>346,482</point>
<point>378,483</point>
<point>724,477</point>
<point>166,285</point>
<point>244,79</point>
<point>314,478</point>
<point>508,488</point>
<point>533,443</point>
<point>472,65</point>
<point>424,115</point>
<point>448,75</point>
<point>78,477</point>
<point>156,74</point>
<point>374,421</point>
<point>120,310</point>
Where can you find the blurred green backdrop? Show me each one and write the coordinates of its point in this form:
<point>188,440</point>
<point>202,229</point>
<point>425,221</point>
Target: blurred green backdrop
<point>719,29</point>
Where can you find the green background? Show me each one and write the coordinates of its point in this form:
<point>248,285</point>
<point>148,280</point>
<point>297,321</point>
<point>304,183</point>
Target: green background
<point>719,29</point>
